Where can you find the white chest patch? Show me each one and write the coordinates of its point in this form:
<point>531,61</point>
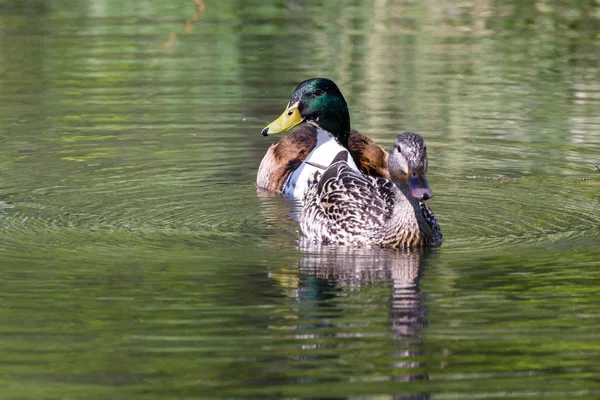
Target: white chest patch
<point>323,153</point>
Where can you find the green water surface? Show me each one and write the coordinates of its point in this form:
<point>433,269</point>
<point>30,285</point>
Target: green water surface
<point>137,259</point>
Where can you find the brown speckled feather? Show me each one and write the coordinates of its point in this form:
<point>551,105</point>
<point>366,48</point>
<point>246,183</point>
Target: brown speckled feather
<point>346,207</point>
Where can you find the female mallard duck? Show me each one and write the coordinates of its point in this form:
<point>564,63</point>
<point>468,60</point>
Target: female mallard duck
<point>347,207</point>
<point>319,115</point>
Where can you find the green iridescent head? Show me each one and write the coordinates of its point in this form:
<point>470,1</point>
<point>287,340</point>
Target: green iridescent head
<point>320,102</point>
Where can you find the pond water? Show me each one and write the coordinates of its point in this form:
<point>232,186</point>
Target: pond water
<point>139,261</point>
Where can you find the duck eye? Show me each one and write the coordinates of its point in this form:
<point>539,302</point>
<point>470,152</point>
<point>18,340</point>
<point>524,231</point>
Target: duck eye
<point>317,93</point>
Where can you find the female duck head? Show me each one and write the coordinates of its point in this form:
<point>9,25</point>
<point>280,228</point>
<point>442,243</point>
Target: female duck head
<point>407,164</point>
<point>320,102</point>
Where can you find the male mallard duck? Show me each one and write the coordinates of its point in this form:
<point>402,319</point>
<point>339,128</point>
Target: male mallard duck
<point>347,207</point>
<point>319,115</point>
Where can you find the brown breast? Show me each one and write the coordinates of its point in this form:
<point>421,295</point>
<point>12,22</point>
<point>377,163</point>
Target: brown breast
<point>285,157</point>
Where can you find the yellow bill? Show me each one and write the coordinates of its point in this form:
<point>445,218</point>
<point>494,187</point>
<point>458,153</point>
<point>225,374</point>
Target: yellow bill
<point>286,121</point>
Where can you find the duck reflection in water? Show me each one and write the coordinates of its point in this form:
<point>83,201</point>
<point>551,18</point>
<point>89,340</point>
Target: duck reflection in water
<point>331,274</point>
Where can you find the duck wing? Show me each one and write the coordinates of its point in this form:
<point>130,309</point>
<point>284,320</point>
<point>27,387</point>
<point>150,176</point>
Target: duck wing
<point>344,206</point>
<point>370,157</point>
<point>430,219</point>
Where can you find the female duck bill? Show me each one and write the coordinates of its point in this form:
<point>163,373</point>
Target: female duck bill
<point>419,188</point>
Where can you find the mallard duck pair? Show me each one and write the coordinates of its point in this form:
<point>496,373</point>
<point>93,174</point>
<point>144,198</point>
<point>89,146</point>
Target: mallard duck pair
<point>350,194</point>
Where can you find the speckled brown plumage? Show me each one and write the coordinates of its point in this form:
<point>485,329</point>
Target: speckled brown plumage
<point>349,208</point>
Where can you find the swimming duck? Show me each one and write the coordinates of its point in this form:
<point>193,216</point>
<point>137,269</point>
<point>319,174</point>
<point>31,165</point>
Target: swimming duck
<point>346,207</point>
<point>319,119</point>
